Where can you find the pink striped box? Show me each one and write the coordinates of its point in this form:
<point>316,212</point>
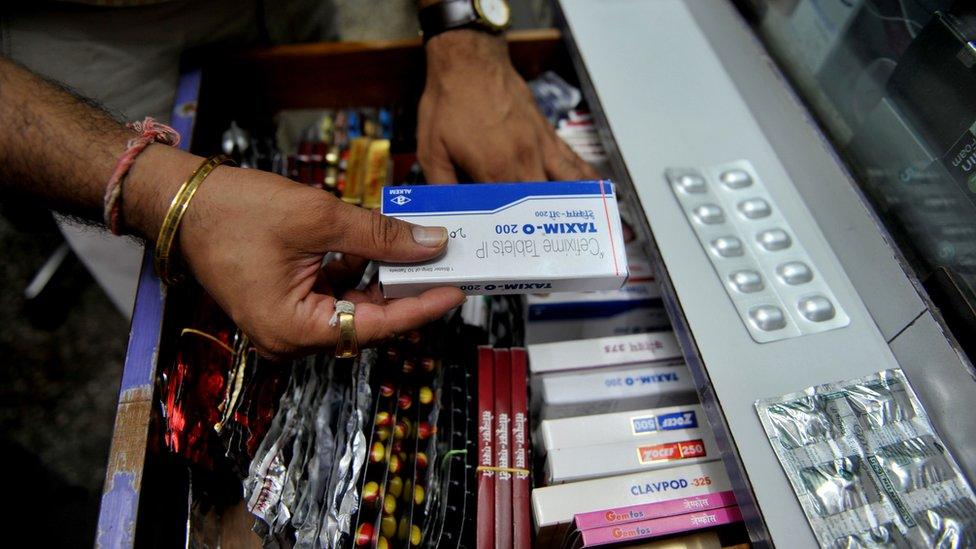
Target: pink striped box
<point>659,509</point>
<point>645,529</point>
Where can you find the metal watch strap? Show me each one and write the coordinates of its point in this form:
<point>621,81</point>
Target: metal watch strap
<point>447,15</point>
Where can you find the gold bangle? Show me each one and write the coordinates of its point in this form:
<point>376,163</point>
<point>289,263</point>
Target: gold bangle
<point>177,208</point>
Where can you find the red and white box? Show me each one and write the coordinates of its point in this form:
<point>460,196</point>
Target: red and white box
<point>485,536</point>
<point>665,449</point>
<point>521,488</point>
<point>503,479</point>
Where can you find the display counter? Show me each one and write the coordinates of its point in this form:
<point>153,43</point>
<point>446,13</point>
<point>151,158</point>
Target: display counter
<point>676,88</point>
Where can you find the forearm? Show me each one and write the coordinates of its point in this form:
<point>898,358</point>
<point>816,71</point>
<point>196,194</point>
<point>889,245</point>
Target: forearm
<point>58,149</point>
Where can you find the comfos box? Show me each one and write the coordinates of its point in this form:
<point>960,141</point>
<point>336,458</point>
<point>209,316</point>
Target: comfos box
<point>512,238</point>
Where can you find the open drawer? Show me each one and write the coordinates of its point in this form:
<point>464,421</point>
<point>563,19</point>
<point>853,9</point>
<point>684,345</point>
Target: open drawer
<point>147,488</point>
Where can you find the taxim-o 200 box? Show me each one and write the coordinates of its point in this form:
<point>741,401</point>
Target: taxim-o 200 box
<point>512,238</point>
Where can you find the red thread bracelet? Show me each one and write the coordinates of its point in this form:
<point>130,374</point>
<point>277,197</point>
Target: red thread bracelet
<point>150,132</point>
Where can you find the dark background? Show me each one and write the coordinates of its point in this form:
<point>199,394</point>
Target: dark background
<point>60,366</point>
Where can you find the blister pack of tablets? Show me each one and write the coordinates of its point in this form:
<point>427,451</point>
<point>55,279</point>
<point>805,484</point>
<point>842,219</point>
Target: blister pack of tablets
<point>766,271</point>
<point>868,467</point>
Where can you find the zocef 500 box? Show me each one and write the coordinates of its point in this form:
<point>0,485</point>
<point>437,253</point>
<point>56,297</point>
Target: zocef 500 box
<point>602,429</point>
<point>512,238</point>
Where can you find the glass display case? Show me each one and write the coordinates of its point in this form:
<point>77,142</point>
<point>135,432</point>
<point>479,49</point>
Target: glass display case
<point>893,85</point>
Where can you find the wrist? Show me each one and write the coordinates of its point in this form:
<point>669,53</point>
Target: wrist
<point>464,49</point>
<point>150,186</point>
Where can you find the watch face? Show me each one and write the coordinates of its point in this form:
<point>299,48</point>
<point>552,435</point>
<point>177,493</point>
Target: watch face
<point>494,12</point>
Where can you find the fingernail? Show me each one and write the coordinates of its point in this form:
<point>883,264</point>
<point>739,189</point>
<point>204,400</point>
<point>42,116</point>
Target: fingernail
<point>431,237</point>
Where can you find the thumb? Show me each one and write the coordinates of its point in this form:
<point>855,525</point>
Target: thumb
<point>372,235</point>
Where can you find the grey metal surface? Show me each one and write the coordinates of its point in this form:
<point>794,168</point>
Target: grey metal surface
<point>670,101</point>
<point>944,384</point>
<point>943,380</point>
<point>817,174</point>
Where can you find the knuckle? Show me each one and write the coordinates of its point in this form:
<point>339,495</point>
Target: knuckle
<point>273,344</point>
<point>526,154</point>
<point>385,334</point>
<point>496,168</point>
<point>270,348</point>
<point>561,164</point>
<point>384,230</point>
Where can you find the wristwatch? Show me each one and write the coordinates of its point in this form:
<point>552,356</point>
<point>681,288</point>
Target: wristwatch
<point>488,15</point>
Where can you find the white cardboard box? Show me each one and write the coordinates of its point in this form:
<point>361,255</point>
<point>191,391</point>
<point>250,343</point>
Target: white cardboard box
<point>618,389</point>
<point>637,425</point>
<point>513,238</point>
<point>634,308</point>
<point>665,449</point>
<point>562,356</point>
<point>638,320</point>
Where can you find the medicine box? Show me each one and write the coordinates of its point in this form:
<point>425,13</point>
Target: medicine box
<point>512,238</point>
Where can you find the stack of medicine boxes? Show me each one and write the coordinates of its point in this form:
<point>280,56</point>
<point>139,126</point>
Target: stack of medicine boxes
<point>616,418</point>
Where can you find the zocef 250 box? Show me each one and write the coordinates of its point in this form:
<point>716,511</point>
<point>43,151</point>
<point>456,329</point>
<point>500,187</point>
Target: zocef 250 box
<point>512,238</point>
<point>665,449</point>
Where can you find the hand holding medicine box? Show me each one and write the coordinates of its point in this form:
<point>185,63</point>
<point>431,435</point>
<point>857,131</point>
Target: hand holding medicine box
<point>512,238</point>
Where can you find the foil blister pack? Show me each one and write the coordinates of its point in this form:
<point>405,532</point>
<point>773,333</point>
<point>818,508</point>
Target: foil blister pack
<point>765,269</point>
<point>371,452</point>
<point>868,467</point>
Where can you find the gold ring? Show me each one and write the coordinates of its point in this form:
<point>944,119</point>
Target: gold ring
<point>347,346</point>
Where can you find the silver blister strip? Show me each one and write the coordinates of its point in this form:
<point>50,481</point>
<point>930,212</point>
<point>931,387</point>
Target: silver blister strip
<point>743,233</point>
<point>729,253</point>
<point>868,467</point>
